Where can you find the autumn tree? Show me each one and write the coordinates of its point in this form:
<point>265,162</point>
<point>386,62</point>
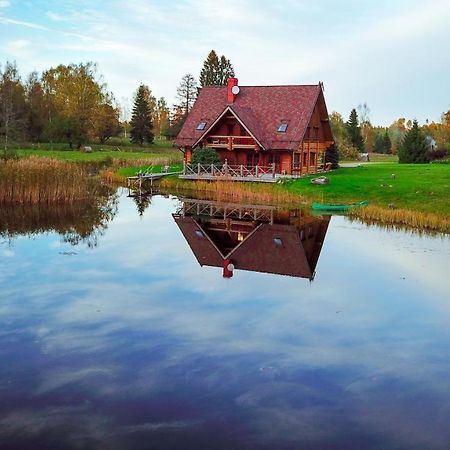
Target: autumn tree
<point>187,92</point>
<point>141,119</point>
<point>215,70</point>
<point>12,103</point>
<point>354,131</point>
<point>36,110</point>
<point>107,122</point>
<point>161,120</point>
<point>339,129</point>
<point>413,148</point>
<point>75,95</point>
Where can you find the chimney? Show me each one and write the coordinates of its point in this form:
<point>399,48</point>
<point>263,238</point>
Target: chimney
<point>228,268</point>
<point>231,93</point>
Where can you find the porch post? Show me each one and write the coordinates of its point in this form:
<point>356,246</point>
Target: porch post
<point>242,170</point>
<point>273,170</point>
<point>198,169</point>
<point>184,166</point>
<point>256,172</point>
<point>212,169</point>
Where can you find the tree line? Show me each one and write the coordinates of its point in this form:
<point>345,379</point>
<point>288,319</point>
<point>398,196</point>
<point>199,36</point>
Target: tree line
<point>72,104</point>
<point>412,143</point>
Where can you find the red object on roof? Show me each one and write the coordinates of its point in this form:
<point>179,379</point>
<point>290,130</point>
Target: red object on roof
<point>261,108</point>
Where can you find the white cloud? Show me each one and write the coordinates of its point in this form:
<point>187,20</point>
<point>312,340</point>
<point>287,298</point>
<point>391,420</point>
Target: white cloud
<point>4,3</point>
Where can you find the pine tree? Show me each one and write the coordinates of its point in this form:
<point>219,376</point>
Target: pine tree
<point>141,118</point>
<point>387,144</point>
<point>413,148</point>
<point>354,131</point>
<point>187,92</point>
<point>379,143</point>
<point>332,156</point>
<point>215,71</point>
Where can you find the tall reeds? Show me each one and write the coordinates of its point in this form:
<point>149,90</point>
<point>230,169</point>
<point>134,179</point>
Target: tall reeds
<point>402,218</point>
<point>229,191</point>
<point>44,180</point>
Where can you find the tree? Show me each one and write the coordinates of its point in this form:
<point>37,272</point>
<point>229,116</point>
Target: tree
<point>107,122</point>
<point>379,143</point>
<point>387,144</point>
<point>177,119</point>
<point>74,95</point>
<point>161,120</point>
<point>12,103</point>
<point>215,71</point>
<point>36,111</point>
<point>332,156</point>
<point>354,131</point>
<point>187,92</point>
<point>413,148</point>
<point>141,118</point>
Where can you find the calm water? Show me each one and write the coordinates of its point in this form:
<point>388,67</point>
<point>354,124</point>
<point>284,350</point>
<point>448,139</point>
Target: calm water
<point>114,336</point>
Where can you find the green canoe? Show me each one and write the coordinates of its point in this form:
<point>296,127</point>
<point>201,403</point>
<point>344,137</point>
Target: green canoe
<point>343,207</point>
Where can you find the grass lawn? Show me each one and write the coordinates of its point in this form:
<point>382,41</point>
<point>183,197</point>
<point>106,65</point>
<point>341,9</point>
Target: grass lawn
<point>419,187</point>
<point>131,171</point>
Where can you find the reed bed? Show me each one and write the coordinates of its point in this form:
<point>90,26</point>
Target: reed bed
<point>229,191</point>
<point>44,180</point>
<point>403,218</point>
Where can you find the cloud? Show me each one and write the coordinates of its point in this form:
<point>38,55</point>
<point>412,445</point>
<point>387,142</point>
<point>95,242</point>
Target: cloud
<point>4,3</point>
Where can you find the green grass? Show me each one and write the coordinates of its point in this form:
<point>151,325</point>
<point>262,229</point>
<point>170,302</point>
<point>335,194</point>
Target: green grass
<point>123,150</point>
<point>131,171</point>
<point>418,187</point>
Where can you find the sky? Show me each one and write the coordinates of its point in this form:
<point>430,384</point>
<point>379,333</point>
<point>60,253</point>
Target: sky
<point>393,55</point>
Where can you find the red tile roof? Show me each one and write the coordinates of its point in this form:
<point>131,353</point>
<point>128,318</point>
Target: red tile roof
<point>260,108</point>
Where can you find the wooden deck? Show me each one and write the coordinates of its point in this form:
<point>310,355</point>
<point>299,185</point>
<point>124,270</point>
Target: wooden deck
<point>138,180</point>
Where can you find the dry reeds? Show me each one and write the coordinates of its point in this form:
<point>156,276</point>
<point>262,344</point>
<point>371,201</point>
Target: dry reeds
<point>44,180</point>
<point>229,191</point>
<point>402,218</point>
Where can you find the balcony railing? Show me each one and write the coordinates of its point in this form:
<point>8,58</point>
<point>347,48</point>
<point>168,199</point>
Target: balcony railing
<point>228,171</point>
<point>230,142</point>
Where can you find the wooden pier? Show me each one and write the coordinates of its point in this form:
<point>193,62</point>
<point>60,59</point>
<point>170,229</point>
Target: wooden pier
<point>137,181</point>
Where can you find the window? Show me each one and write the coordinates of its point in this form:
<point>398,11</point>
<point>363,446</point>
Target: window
<point>201,126</point>
<point>282,128</point>
<point>312,159</point>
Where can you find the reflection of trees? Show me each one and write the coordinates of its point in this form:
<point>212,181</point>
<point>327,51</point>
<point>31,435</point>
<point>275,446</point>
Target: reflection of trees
<point>80,222</point>
<point>142,201</point>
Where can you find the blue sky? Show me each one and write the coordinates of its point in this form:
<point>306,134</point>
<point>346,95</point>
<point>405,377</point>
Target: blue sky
<point>393,55</point>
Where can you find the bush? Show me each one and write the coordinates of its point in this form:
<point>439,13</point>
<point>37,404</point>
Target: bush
<point>205,156</point>
<point>9,154</point>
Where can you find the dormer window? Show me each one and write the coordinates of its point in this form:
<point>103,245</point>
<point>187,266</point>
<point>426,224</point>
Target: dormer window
<point>201,126</point>
<point>283,127</point>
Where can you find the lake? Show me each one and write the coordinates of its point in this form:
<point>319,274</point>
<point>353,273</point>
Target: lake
<point>158,323</point>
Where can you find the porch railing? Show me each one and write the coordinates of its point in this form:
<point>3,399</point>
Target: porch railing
<point>229,171</point>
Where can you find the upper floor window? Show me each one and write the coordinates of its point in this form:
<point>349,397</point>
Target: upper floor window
<point>201,125</point>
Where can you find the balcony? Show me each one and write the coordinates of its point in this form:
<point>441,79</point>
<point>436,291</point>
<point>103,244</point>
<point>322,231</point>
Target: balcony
<point>230,142</point>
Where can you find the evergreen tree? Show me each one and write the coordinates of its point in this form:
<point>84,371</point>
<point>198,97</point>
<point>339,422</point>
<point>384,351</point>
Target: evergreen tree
<point>387,144</point>
<point>379,143</point>
<point>354,131</point>
<point>141,118</point>
<point>413,148</point>
<point>215,71</point>
<point>187,92</point>
<point>332,156</point>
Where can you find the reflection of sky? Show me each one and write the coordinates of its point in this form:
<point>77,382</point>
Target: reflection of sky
<point>133,342</point>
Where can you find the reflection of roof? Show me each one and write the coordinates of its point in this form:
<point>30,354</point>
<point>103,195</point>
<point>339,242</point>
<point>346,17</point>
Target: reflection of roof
<point>259,251</point>
<point>261,108</point>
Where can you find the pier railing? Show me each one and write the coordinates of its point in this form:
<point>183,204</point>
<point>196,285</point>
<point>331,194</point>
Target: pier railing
<point>229,171</point>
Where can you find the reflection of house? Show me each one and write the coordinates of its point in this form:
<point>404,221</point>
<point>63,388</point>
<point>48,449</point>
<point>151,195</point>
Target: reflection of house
<point>252,126</point>
<point>258,239</point>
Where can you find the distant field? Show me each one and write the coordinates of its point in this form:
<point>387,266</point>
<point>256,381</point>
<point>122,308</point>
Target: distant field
<point>160,149</point>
